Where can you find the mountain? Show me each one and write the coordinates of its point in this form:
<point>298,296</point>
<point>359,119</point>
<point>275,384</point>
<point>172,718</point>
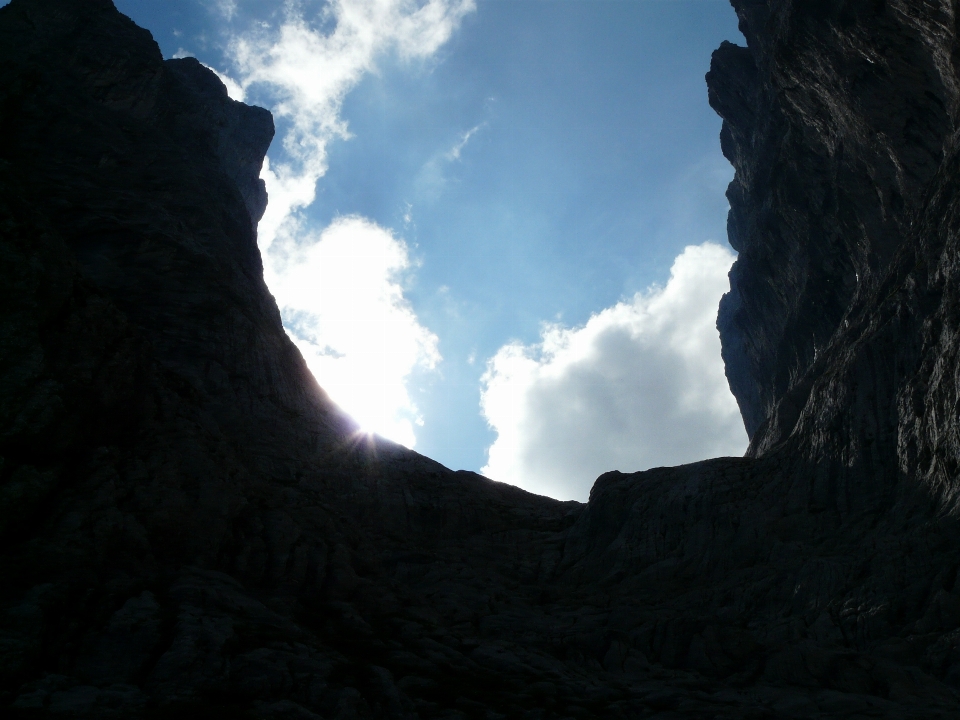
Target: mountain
<point>191,528</point>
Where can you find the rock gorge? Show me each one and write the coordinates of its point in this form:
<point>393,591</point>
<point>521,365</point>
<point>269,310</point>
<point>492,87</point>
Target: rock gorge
<point>190,528</point>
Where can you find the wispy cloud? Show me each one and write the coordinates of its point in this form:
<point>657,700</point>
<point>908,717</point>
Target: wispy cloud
<point>640,385</point>
<point>227,8</point>
<point>364,340</point>
<point>454,152</point>
<point>433,176</point>
<point>309,72</point>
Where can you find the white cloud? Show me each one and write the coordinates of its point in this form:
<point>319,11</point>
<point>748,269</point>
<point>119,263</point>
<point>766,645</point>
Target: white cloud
<point>227,8</point>
<point>343,305</point>
<point>310,72</point>
<point>640,385</point>
<point>339,290</point>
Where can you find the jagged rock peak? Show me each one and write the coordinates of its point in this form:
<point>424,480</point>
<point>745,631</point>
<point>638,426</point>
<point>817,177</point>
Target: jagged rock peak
<point>120,66</point>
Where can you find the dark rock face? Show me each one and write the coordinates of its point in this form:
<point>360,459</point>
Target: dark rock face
<point>836,119</point>
<point>190,528</point>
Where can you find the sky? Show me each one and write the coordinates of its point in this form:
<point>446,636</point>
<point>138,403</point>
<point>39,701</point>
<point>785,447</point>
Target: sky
<point>496,228</point>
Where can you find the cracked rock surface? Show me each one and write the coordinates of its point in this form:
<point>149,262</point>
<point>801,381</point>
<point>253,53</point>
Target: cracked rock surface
<point>190,528</point>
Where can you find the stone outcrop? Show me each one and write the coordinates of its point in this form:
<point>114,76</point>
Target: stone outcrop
<point>190,528</point>
<point>836,120</point>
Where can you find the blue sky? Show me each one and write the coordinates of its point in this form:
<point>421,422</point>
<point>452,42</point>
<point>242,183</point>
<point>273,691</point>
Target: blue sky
<point>532,171</point>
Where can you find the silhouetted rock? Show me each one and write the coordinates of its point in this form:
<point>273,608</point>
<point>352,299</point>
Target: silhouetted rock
<point>190,528</point>
<point>836,119</point>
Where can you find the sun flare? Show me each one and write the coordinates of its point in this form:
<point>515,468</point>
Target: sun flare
<point>342,303</point>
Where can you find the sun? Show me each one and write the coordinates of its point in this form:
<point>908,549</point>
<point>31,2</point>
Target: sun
<point>342,303</point>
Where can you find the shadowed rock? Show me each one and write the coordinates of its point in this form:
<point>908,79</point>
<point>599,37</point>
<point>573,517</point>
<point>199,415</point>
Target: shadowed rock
<point>190,528</point>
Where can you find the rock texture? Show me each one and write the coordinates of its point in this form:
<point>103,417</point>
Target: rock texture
<point>190,528</point>
<point>836,118</point>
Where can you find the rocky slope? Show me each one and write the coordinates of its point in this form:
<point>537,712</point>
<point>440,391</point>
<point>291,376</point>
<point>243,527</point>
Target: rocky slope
<point>190,528</point>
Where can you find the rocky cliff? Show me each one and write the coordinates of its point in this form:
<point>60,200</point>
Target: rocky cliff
<point>837,117</point>
<point>190,528</point>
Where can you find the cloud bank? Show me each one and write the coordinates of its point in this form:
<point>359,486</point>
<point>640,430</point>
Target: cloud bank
<point>640,385</point>
<point>339,290</point>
